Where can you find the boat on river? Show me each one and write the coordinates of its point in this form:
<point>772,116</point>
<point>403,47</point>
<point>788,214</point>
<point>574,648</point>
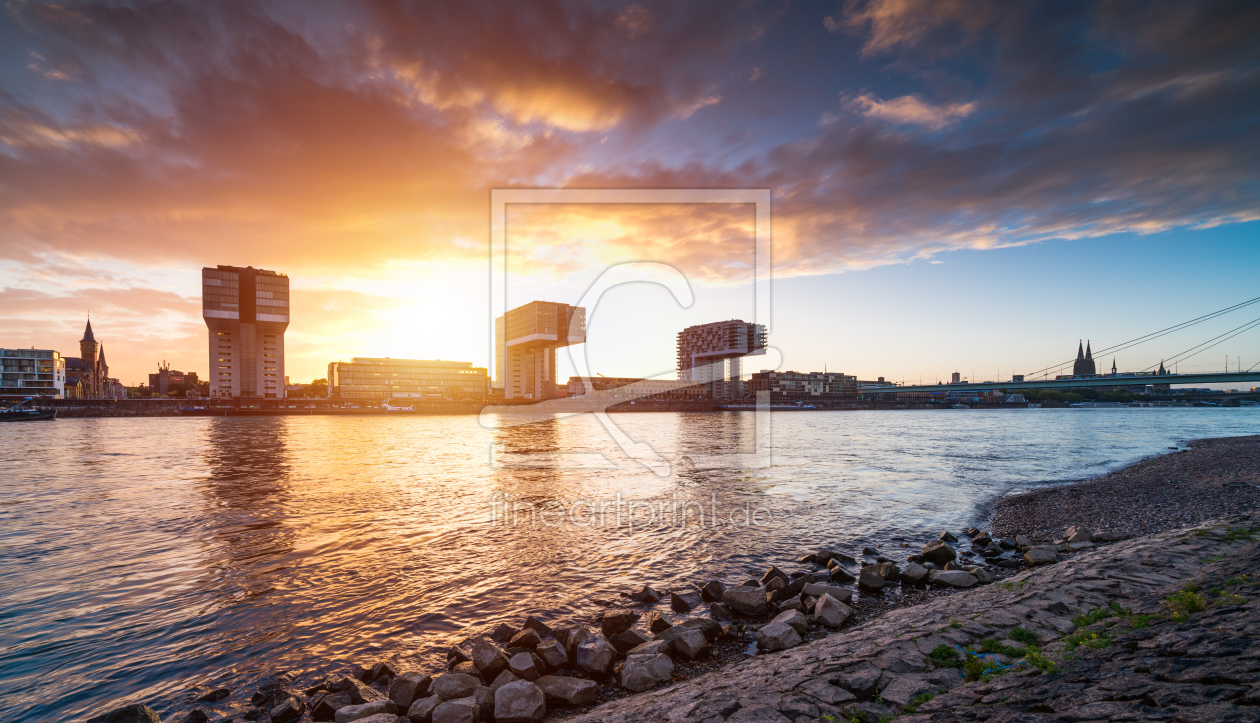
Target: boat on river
<point>19,412</point>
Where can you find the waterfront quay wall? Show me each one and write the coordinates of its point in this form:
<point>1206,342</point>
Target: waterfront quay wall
<point>73,408</point>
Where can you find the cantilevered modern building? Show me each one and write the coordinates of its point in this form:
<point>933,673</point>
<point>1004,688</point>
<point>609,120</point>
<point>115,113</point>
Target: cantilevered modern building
<point>710,353</point>
<point>247,312</point>
<point>525,343</point>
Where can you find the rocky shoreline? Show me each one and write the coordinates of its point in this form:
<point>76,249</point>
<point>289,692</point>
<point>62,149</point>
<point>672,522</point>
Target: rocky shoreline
<point>851,637</point>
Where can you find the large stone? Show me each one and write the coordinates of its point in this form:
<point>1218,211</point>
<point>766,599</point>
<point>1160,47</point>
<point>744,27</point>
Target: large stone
<point>982,575</point>
<point>746,600</point>
<point>503,633</point>
<point>484,696</point>
<point>358,691</point>
<point>831,612</point>
<point>720,611</point>
<point>567,691</point>
<point>552,653</point>
<point>571,638</point>
<point>421,710</point>
<point>504,678</point>
<point>684,603</point>
<point>712,591</point>
<point>522,666</point>
<point>939,552</point>
<point>1021,542</point>
<point>772,573</point>
<point>839,574</point>
<point>653,647</point>
<point>363,710</point>
<point>489,658</point>
<point>290,709</point>
<point>135,713</point>
<point>405,688</point>
<point>657,621</point>
<point>596,656</point>
<point>618,621</point>
<point>814,589</point>
<point>888,571</point>
<point>982,539</point>
<point>533,623</point>
<point>642,672</point>
<point>450,686</point>
<point>1039,557</point>
<point>1078,533</point>
<point>647,596</point>
<point>794,618</point>
<point>870,579</point>
<point>527,638</point>
<point>711,629</point>
<point>778,636</point>
<point>458,710</point>
<point>952,578</point>
<point>627,640</point>
<point>519,702</point>
<point>691,644</point>
<point>469,668</point>
<point>326,707</point>
<point>947,537</point>
<point>914,574</point>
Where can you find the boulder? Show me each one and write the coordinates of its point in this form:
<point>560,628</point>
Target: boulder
<point>458,710</point>
<point>552,653</point>
<point>843,594</point>
<point>889,571</point>
<point>777,636</point>
<point>326,707</point>
<point>712,591</point>
<point>215,695</point>
<point>1040,557</point>
<point>1021,542</point>
<point>792,603</point>
<point>642,672</point>
<point>571,638</point>
<point>196,715</point>
<point>527,638</point>
<point>939,552</point>
<point>654,647</point>
<point>947,537</point>
<point>567,691</point>
<point>806,559</point>
<point>691,644</point>
<point>647,596</point>
<point>914,574</point>
<point>489,658</point>
<point>746,600</point>
<point>539,626</point>
<point>982,575</point>
<point>684,603</point>
<point>627,640</point>
<point>982,539</point>
<point>870,579</point>
<point>831,612</point>
<point>504,678</point>
<point>952,578</point>
<point>503,633</point>
<point>290,709</point>
<point>795,618</point>
<point>421,710</point>
<point>469,668</point>
<point>363,710</point>
<point>772,573</point>
<point>1078,546</point>
<point>1078,533</point>
<point>839,574</point>
<point>135,713</point>
<point>596,656</point>
<point>485,701</point>
<point>407,687</point>
<point>380,674</point>
<point>776,584</point>
<point>450,686</point>
<point>358,691</point>
<point>519,702</point>
<point>657,621</point>
<point>522,666</point>
<point>617,621</point>
<point>870,551</point>
<point>720,611</point>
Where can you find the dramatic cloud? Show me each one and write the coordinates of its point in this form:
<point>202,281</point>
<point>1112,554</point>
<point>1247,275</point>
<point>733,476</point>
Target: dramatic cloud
<point>342,140</point>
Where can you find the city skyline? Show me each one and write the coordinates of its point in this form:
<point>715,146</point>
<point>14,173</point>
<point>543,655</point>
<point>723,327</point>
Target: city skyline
<point>1041,173</point>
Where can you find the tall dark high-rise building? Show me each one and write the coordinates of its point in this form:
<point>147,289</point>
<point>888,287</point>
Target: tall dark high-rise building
<point>246,312</point>
<point>1084,365</point>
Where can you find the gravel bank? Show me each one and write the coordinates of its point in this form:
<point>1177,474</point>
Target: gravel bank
<point>1212,478</point>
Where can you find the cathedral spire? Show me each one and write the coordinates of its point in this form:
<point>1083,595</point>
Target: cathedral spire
<point>1088,354</point>
<point>1080,351</point>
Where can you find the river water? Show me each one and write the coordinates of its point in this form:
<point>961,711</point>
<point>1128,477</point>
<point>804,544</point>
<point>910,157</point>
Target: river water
<point>140,558</point>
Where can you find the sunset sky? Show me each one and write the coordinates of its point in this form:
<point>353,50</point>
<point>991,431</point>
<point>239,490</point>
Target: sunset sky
<point>957,185</point>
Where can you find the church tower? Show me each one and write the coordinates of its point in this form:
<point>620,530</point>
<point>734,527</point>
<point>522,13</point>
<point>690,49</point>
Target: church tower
<point>91,352</point>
